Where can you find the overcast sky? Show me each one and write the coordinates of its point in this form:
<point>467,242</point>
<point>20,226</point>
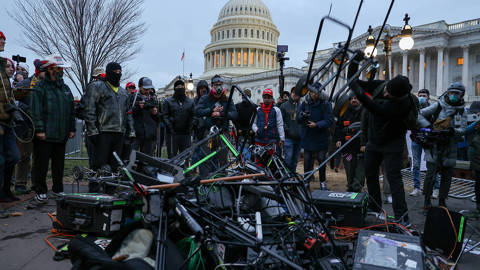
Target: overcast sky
<point>185,24</point>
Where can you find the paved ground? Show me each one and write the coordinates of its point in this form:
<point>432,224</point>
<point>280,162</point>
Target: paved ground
<point>22,244</point>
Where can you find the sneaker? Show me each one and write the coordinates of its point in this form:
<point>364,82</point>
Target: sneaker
<point>323,186</point>
<point>41,198</point>
<point>388,199</point>
<point>415,192</point>
<point>435,194</point>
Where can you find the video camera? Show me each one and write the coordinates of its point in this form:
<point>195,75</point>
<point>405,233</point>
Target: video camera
<point>428,138</point>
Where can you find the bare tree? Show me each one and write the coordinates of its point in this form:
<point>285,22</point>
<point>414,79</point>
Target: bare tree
<point>87,33</point>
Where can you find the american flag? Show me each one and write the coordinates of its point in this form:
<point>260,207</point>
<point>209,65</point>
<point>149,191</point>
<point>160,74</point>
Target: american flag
<point>183,56</point>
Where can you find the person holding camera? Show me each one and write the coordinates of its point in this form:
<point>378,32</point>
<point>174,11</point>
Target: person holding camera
<point>146,117</point>
<point>389,105</point>
<point>178,113</point>
<point>447,118</point>
<point>106,117</point>
<point>353,155</point>
<point>315,115</point>
<point>9,155</point>
<point>53,114</point>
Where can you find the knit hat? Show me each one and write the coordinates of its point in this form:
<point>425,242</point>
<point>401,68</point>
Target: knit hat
<point>113,66</point>
<point>2,35</point>
<point>399,86</point>
<point>178,82</point>
<point>24,66</point>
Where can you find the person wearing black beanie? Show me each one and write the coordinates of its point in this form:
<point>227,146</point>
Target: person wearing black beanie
<point>178,113</point>
<point>387,106</point>
<point>106,117</point>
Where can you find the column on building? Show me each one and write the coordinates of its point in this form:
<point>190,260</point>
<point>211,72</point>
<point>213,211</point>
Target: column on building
<point>446,69</point>
<point>410,76</point>
<point>421,69</point>
<point>404,63</point>
<point>439,70</point>
<point>428,71</point>
<point>228,59</point>
<point>465,79</point>
<point>205,62</point>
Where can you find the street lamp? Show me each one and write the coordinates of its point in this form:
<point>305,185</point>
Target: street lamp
<point>190,84</point>
<point>405,44</point>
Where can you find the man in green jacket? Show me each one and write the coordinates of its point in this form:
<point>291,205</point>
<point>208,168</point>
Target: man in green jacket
<point>54,120</point>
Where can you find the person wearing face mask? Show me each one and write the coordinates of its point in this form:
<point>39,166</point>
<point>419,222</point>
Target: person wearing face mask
<point>445,115</point>
<point>9,155</point>
<point>178,113</point>
<point>424,101</point>
<point>107,118</point>
<point>53,114</point>
<point>353,156</point>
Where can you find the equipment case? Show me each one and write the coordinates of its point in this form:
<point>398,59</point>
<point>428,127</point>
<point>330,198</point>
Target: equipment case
<point>92,212</point>
<point>349,208</point>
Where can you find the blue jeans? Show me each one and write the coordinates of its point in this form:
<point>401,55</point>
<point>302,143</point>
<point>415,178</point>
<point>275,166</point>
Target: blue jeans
<point>417,160</point>
<point>291,149</point>
<point>9,156</point>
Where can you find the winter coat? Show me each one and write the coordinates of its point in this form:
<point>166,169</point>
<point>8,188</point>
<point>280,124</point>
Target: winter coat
<point>449,156</point>
<point>315,139</point>
<point>145,123</point>
<point>352,115</point>
<point>245,112</point>
<point>199,123</point>
<point>385,117</point>
<point>52,110</point>
<point>5,94</point>
<point>178,115</point>
<point>205,109</point>
<point>268,125</point>
<point>107,111</point>
<point>289,114</point>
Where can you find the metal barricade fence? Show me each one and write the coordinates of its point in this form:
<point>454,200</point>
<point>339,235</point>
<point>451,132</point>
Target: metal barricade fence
<point>75,148</point>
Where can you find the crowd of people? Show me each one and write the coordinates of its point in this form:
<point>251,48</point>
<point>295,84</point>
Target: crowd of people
<point>121,119</point>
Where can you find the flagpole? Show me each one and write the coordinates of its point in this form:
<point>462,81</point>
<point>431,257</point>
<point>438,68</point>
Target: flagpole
<point>183,63</point>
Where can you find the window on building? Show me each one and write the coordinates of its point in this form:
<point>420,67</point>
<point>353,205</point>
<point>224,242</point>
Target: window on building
<point>268,35</point>
<point>251,58</point>
<point>239,33</point>
<point>241,8</point>
<point>263,34</point>
<point>223,34</point>
<point>459,61</point>
<point>258,33</point>
<point>251,33</point>
<point>239,59</point>
<point>258,59</point>
<point>232,59</point>
<point>228,33</point>
<point>245,33</point>
<point>477,58</point>
<point>233,33</point>
<point>477,88</point>
<point>245,58</point>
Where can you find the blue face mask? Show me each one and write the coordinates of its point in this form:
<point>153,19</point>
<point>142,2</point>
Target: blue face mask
<point>453,98</point>
<point>422,100</point>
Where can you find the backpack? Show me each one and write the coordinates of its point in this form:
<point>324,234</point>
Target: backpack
<point>410,122</point>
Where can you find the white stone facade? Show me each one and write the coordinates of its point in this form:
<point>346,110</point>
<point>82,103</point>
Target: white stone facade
<point>443,53</point>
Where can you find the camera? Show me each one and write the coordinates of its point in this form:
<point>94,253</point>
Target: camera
<point>305,117</point>
<point>17,58</point>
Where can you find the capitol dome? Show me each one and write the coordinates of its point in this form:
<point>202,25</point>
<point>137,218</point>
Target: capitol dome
<point>243,40</point>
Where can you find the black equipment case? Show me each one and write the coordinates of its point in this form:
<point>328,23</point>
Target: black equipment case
<point>100,214</point>
<point>147,170</point>
<point>384,251</point>
<point>348,208</point>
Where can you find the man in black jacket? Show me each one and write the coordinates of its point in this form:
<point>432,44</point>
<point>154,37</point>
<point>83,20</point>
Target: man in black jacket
<point>178,112</point>
<point>387,112</point>
<point>292,130</point>
<point>243,123</point>
<point>106,116</point>
<point>353,158</point>
<point>146,118</point>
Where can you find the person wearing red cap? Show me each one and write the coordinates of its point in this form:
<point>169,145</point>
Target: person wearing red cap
<point>9,155</point>
<point>268,124</point>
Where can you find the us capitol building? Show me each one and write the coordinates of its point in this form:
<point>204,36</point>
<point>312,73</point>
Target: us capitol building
<point>244,42</point>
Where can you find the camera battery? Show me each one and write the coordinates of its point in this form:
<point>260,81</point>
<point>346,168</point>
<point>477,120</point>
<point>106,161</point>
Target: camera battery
<point>381,251</point>
<point>348,208</point>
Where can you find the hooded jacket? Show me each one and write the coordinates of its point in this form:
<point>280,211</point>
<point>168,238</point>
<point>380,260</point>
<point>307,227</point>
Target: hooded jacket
<point>52,110</point>
<point>289,114</point>
<point>458,122</point>
<point>107,110</point>
<point>199,123</point>
<point>315,139</point>
<point>205,107</point>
